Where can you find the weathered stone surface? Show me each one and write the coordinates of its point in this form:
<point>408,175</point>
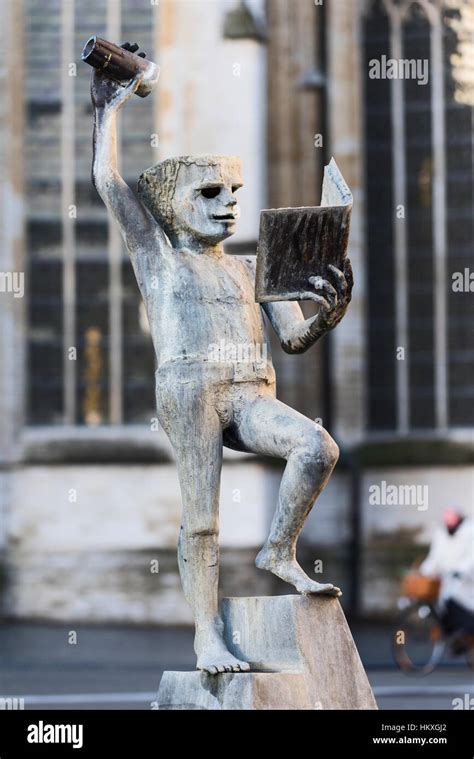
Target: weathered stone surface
<point>243,690</point>
<point>301,654</point>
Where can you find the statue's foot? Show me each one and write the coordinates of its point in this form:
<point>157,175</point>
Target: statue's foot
<point>213,656</point>
<point>288,569</point>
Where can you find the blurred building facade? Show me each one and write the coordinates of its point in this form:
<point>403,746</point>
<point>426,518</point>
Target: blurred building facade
<point>89,497</point>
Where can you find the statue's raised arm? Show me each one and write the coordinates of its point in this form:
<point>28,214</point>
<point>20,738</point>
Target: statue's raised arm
<point>138,227</point>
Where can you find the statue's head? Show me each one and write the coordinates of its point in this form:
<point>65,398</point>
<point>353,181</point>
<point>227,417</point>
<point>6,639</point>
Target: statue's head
<point>194,195</point>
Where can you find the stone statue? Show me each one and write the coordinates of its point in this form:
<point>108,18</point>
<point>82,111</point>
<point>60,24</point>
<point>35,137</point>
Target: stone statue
<point>197,297</point>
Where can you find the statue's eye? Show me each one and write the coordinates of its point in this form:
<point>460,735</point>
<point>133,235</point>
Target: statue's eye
<point>210,192</point>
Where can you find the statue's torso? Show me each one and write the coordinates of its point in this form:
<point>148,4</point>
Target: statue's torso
<point>202,308</point>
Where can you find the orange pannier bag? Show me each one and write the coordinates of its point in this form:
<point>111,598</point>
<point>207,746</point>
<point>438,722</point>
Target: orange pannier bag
<point>415,585</point>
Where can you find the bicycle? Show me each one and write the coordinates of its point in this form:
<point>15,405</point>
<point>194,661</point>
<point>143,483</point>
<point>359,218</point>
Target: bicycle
<point>421,635</point>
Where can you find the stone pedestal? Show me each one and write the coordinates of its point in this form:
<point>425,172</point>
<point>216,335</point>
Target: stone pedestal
<point>301,653</point>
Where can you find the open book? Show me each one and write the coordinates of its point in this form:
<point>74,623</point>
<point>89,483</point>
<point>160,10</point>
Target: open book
<point>298,243</point>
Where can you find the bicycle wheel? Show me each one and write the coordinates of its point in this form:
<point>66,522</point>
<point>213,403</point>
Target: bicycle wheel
<point>418,640</point>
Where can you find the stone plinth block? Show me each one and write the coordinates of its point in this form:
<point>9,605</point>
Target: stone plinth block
<point>301,653</point>
<point>243,690</point>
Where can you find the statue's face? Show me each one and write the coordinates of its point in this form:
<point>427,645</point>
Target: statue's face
<point>204,202</point>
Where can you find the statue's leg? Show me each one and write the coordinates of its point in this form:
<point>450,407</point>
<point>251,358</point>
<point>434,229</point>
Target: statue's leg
<point>267,426</point>
<point>194,429</point>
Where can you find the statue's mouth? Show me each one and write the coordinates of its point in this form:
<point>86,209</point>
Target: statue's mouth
<point>224,217</point>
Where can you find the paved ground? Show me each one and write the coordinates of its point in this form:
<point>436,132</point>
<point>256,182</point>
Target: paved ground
<point>120,667</point>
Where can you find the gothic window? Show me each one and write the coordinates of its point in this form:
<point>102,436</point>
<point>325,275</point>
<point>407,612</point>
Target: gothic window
<point>419,67</point>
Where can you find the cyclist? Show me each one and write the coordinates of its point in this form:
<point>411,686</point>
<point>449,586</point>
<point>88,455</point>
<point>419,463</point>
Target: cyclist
<point>451,558</point>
